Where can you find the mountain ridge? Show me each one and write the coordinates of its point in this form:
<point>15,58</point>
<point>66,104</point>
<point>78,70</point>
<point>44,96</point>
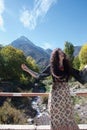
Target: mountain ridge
<point>41,56</point>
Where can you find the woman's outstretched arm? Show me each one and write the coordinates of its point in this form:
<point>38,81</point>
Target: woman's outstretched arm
<point>39,76</point>
<point>80,75</point>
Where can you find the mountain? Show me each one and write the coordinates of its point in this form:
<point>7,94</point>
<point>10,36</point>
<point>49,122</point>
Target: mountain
<point>40,55</point>
<point>77,50</point>
<point>48,51</point>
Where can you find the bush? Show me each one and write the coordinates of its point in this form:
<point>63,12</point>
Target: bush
<point>10,115</point>
<point>23,79</point>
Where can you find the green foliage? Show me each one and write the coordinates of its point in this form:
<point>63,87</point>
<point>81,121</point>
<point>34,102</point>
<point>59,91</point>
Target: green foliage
<point>32,63</point>
<point>69,50</point>
<point>77,117</point>
<point>10,65</point>
<point>83,55</point>
<point>1,66</point>
<point>24,79</point>
<point>10,115</point>
<point>76,62</point>
<point>82,66</point>
<point>12,60</point>
<point>76,100</point>
<point>48,83</point>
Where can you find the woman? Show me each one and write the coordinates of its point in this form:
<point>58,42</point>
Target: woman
<point>61,108</point>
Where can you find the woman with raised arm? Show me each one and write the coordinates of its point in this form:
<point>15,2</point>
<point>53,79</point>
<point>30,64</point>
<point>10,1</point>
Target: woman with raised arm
<point>61,108</point>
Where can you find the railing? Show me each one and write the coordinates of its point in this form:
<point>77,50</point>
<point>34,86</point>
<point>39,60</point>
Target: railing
<point>8,94</point>
<point>22,94</point>
<point>34,127</point>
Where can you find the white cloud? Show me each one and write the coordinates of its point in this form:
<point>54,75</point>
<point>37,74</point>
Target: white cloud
<point>40,9</point>
<point>46,45</point>
<point>1,12</point>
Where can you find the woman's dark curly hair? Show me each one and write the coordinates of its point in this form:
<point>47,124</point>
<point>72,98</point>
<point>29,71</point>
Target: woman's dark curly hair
<point>54,61</point>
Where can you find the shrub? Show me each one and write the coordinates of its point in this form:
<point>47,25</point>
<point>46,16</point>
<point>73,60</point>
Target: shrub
<point>10,115</point>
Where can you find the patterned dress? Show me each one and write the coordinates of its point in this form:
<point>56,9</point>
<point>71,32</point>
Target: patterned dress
<point>61,108</point>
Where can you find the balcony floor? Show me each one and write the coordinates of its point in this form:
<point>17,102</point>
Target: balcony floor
<point>33,127</point>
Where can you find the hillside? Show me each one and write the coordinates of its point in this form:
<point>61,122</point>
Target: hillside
<point>39,54</point>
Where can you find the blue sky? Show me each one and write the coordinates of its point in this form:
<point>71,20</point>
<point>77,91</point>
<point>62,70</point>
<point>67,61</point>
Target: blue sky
<point>47,23</point>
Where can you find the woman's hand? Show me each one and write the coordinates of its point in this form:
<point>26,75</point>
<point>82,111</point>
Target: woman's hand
<point>24,67</point>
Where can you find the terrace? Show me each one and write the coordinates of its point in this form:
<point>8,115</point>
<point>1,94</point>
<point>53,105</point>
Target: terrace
<point>34,127</point>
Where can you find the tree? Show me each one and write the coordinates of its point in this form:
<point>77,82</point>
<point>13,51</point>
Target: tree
<point>83,55</point>
<point>10,63</point>
<point>76,62</point>
<point>12,60</point>
<point>1,66</point>
<point>32,63</point>
<point>69,50</point>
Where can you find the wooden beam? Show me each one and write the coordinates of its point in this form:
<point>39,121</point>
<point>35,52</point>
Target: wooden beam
<point>8,94</point>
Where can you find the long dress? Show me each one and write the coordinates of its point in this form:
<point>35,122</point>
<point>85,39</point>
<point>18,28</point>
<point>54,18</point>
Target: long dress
<point>61,108</point>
